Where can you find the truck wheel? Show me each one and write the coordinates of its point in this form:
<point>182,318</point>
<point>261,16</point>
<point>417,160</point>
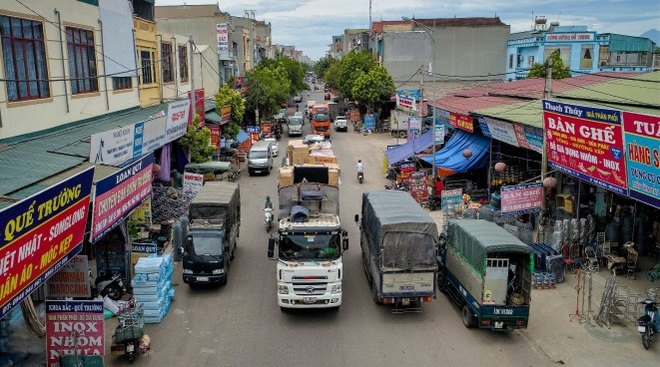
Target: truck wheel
<point>442,282</point>
<point>402,134</point>
<point>374,295</point>
<point>468,317</point>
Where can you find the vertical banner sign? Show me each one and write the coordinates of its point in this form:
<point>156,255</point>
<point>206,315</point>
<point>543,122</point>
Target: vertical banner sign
<point>414,127</point>
<point>439,134</point>
<point>197,107</point>
<point>118,194</point>
<point>418,188</point>
<point>223,41</point>
<point>215,136</point>
<point>587,143</point>
<point>71,324</point>
<point>519,199</point>
<point>369,122</point>
<point>177,119</point>
<point>226,115</point>
<point>642,135</point>
<point>406,169</point>
<point>72,280</point>
<point>461,122</point>
<point>40,234</point>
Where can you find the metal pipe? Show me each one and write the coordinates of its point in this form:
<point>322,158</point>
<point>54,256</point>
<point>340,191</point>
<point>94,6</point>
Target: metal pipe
<point>137,73</point>
<point>160,64</point>
<point>105,78</point>
<point>192,79</point>
<point>59,26</point>
<point>175,63</point>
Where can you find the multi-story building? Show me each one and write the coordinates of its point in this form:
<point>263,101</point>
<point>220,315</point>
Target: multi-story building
<point>355,40</point>
<point>583,51</point>
<point>337,46</point>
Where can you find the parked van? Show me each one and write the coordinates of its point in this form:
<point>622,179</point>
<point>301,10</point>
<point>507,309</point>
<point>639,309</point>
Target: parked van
<point>260,158</point>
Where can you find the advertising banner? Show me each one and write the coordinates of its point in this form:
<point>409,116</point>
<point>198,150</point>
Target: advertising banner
<point>449,199</point>
<point>439,134</point>
<point>215,136</point>
<point>66,320</point>
<point>225,115</point>
<point>587,143</point>
<point>406,99</point>
<point>406,169</point>
<point>369,122</point>
<point>222,33</point>
<point>461,122</point>
<point>72,280</point>
<point>414,127</point>
<point>197,107</point>
<point>40,234</point>
<point>118,194</point>
<point>141,249</point>
<point>642,135</point>
<point>193,181</point>
<point>267,129</point>
<point>524,198</point>
<point>499,130</point>
<point>177,119</point>
<point>418,188</point>
<point>529,137</point>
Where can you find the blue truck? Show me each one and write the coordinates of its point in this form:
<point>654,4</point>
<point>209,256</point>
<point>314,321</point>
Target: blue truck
<point>488,272</point>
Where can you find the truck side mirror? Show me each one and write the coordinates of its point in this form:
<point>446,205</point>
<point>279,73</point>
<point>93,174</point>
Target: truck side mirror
<point>357,218</point>
<point>271,247</point>
<point>344,243</point>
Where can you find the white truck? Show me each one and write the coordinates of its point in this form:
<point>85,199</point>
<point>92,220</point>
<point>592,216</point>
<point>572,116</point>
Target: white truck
<point>310,242</point>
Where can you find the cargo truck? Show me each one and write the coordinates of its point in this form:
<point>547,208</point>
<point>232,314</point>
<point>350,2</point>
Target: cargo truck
<point>321,120</point>
<point>488,272</point>
<point>310,241</point>
<point>214,225</point>
<point>398,241</point>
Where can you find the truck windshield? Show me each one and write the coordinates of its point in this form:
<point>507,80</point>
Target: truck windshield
<point>408,251</point>
<point>309,247</point>
<point>321,117</point>
<point>207,244</point>
<point>295,121</point>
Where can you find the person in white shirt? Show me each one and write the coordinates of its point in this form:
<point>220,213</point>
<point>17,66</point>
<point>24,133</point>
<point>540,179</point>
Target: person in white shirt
<point>360,168</point>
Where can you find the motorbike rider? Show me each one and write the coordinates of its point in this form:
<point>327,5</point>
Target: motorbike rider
<point>268,203</point>
<point>360,167</point>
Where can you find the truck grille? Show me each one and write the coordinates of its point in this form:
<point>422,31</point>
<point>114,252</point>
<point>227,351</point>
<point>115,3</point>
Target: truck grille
<point>309,289</point>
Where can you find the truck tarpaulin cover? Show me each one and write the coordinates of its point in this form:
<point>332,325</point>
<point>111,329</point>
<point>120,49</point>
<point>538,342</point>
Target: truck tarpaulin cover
<point>215,199</point>
<point>395,223</point>
<point>299,213</point>
<point>450,160</point>
<point>476,239</point>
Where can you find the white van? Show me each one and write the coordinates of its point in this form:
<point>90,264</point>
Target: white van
<point>260,158</point>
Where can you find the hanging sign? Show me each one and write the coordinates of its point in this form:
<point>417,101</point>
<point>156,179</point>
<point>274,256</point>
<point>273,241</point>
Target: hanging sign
<point>72,280</point>
<point>74,327</point>
<point>642,135</point>
<point>418,187</point>
<point>524,198</point>
<point>586,142</point>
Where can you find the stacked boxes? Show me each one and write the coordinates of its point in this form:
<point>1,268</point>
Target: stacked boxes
<point>286,176</point>
<point>298,152</point>
<point>152,286</point>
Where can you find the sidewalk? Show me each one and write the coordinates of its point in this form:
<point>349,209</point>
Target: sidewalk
<point>578,340</point>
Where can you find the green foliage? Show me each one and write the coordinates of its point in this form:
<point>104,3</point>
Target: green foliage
<point>268,88</point>
<point>559,71</point>
<point>331,76</point>
<point>295,73</point>
<point>323,65</point>
<point>227,96</point>
<point>198,142</point>
<point>352,66</point>
<point>374,88</point>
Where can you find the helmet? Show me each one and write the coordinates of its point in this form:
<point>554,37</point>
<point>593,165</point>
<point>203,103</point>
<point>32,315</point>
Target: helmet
<point>267,197</point>
<point>359,160</point>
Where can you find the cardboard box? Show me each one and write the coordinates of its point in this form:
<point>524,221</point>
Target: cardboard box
<point>298,157</point>
<point>322,159</point>
<point>285,176</point>
<point>333,177</point>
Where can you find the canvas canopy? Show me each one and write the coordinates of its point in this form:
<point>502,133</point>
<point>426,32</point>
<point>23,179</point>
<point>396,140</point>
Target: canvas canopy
<point>476,239</point>
<point>410,148</point>
<point>450,160</point>
<point>208,167</point>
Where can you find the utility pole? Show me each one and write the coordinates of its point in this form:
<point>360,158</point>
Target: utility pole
<point>547,94</point>
<point>192,79</point>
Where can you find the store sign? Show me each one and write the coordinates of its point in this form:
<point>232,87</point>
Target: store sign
<point>72,280</point>
<point>414,127</point>
<point>215,136</point>
<point>449,199</point>
<point>225,115</point>
<point>118,194</point>
<point>587,143</point>
<point>139,250</point>
<point>197,106</point>
<point>193,181</point>
<point>642,135</point>
<point>461,122</point>
<point>369,122</point>
<point>524,198</point>
<point>406,168</point>
<point>406,99</point>
<point>418,187</point>
<point>40,234</point>
<point>74,327</point>
<point>439,134</point>
<point>568,37</point>
<point>118,146</point>
<point>499,130</point>
<point>222,33</point>
<point>529,137</point>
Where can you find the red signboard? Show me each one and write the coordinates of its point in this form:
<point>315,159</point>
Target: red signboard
<point>215,136</point>
<point>118,194</point>
<point>418,187</point>
<point>406,169</point>
<point>197,107</point>
<point>266,129</point>
<point>461,122</point>
<point>226,115</point>
<point>74,327</point>
<point>41,234</point>
<point>587,143</point>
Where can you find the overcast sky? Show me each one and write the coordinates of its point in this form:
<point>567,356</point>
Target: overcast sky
<point>310,24</point>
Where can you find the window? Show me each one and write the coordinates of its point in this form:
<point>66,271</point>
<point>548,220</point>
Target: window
<point>183,63</point>
<point>586,57</point>
<point>82,60</point>
<point>530,61</point>
<point>148,67</point>
<point>24,58</point>
<point>119,83</point>
<point>510,61</point>
<point>167,64</point>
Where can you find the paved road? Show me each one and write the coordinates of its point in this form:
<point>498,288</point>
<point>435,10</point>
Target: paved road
<point>240,324</point>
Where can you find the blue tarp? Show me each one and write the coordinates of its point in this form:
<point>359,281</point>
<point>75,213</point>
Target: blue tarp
<point>450,160</point>
<point>242,136</point>
<point>410,148</point>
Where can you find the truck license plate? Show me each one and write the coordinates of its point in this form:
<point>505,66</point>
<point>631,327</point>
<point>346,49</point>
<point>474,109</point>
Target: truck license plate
<point>407,287</point>
<point>641,329</point>
<point>130,348</point>
<point>499,324</point>
<point>202,279</point>
<point>309,299</point>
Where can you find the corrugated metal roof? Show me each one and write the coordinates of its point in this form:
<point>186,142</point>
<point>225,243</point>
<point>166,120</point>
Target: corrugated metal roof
<point>465,106</point>
<point>37,158</point>
<point>212,116</point>
<point>640,89</point>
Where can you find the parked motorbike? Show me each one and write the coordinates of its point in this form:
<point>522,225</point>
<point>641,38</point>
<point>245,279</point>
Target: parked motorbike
<point>434,203</point>
<point>649,324</point>
<point>129,338</point>
<point>360,177</point>
<point>268,218</point>
<point>403,186</point>
<point>109,284</point>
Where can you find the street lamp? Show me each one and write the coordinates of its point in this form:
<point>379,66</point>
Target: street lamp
<point>430,32</point>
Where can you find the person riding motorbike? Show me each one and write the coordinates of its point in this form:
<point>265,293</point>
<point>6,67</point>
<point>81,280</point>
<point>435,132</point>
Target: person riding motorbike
<point>268,203</point>
<point>360,169</point>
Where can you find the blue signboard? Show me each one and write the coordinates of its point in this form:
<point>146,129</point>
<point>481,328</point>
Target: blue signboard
<point>369,122</point>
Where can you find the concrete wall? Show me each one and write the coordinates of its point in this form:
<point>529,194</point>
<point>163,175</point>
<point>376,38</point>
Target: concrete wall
<point>145,40</point>
<point>177,89</point>
<point>23,117</point>
<point>404,53</point>
<point>206,72</point>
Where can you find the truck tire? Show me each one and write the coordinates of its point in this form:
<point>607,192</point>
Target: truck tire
<point>402,134</point>
<point>374,295</point>
<point>469,321</point>
<point>442,282</point>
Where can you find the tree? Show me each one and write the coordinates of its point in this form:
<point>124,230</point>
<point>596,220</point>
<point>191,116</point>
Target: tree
<point>559,71</point>
<point>372,89</point>
<point>227,96</point>
<point>267,89</point>
<point>295,72</point>
<point>331,76</point>
<point>352,66</point>
<point>198,142</point>
<point>323,64</point>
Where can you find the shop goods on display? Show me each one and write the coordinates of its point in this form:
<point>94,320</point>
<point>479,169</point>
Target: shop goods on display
<point>169,204</point>
<point>152,286</point>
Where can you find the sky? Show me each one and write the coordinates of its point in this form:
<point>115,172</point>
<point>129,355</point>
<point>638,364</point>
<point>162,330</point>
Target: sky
<point>310,24</point>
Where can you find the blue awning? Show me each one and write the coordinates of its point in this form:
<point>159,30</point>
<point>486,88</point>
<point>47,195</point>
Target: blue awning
<point>242,136</point>
<point>450,160</point>
<point>410,148</point>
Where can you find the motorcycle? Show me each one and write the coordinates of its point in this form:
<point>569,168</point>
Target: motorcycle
<point>434,203</point>
<point>268,218</point>
<point>360,177</point>
<point>109,284</point>
<point>129,338</point>
<point>649,324</point>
